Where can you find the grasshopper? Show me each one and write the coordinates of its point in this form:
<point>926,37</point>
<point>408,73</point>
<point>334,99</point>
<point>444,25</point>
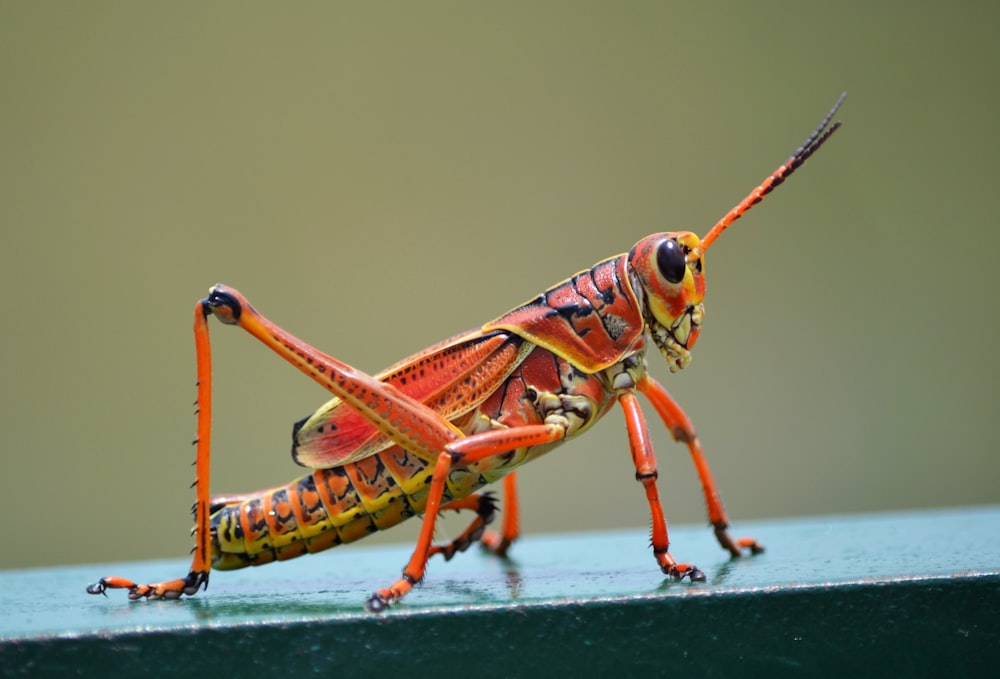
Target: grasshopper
<point>426,434</point>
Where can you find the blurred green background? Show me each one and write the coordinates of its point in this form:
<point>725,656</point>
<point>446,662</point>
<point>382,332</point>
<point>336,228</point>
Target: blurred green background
<point>378,176</point>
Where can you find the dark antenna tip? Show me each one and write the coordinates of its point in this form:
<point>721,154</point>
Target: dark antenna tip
<point>812,143</point>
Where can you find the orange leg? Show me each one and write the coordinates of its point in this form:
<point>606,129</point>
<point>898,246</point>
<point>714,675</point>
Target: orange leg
<point>682,430</point>
<point>484,506</point>
<point>645,473</point>
<point>407,422</point>
<point>197,577</point>
<point>499,543</point>
<point>466,451</point>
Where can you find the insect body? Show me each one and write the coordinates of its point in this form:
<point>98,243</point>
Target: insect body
<point>427,433</point>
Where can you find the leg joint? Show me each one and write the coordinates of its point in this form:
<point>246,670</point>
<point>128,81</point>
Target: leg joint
<point>683,434</point>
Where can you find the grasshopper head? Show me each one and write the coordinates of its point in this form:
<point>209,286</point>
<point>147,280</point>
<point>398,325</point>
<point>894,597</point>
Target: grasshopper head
<point>669,269</point>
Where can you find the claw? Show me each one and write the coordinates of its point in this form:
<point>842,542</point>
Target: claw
<point>110,582</point>
<point>378,602</point>
<point>685,570</point>
<point>495,544</point>
<point>751,544</point>
<point>99,587</point>
<point>736,547</point>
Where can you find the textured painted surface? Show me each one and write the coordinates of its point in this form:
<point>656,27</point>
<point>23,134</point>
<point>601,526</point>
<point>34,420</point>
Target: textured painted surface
<point>890,592</point>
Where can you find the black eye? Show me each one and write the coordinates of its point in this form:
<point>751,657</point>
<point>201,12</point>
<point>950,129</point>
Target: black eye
<point>671,260</point>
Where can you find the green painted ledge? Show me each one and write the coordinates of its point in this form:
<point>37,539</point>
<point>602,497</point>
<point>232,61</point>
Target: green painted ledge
<point>900,594</point>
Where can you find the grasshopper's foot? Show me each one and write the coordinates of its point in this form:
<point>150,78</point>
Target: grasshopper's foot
<point>378,602</point>
<point>384,598</point>
<point>495,543</point>
<point>171,589</point>
<point>751,544</point>
<point>679,571</point>
<point>736,548</point>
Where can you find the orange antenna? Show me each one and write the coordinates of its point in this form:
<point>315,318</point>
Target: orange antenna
<point>809,147</point>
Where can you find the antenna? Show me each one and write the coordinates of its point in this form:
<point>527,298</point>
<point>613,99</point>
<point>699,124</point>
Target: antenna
<point>809,147</point>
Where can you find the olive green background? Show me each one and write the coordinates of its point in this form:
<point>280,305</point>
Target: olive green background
<point>378,176</point>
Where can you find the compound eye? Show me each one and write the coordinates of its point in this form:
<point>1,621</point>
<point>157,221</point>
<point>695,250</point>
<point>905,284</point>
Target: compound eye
<point>671,260</point>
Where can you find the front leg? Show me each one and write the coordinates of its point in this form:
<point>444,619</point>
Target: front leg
<point>682,430</point>
<point>645,473</point>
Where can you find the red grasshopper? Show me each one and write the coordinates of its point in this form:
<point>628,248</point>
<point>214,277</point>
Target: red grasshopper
<point>424,435</point>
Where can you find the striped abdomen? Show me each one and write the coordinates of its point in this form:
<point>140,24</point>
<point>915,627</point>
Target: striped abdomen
<point>319,511</point>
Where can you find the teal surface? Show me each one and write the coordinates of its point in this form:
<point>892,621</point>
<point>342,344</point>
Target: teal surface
<point>884,581</point>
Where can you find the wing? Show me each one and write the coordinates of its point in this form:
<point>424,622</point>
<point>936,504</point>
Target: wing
<point>452,378</point>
